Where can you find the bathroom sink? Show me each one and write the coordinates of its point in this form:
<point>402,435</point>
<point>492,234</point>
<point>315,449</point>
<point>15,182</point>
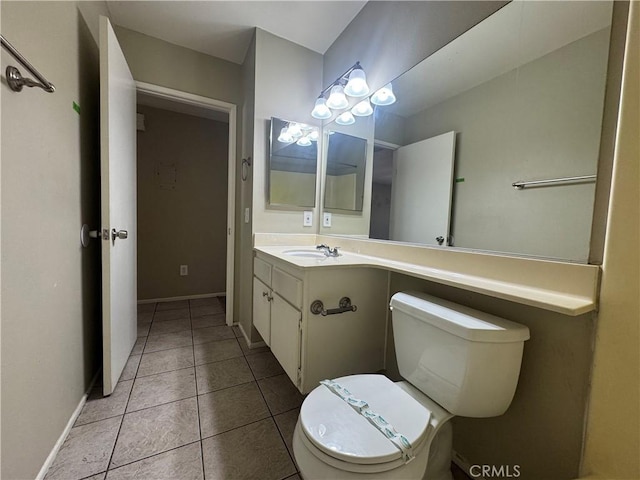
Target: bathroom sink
<point>304,253</point>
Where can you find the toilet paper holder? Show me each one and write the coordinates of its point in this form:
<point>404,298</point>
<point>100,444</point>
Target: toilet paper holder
<point>317,307</point>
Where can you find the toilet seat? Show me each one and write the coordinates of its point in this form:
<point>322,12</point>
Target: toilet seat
<point>338,435</point>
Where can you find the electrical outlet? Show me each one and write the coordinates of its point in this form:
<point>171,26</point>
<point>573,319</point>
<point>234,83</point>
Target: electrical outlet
<point>307,218</point>
<point>247,214</point>
<point>184,270</point>
<point>326,219</point>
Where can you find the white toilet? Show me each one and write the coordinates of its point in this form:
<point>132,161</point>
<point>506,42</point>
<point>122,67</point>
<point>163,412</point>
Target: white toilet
<point>456,360</point>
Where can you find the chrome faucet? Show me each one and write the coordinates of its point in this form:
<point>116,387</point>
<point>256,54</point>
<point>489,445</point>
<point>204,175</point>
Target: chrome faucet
<point>328,251</point>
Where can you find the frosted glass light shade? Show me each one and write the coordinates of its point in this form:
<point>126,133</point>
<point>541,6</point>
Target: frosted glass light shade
<point>345,118</point>
<point>357,84</point>
<point>384,96</point>
<point>314,135</point>
<point>285,136</point>
<point>362,109</point>
<point>304,141</point>
<point>337,99</point>
<point>295,130</point>
<point>321,111</point>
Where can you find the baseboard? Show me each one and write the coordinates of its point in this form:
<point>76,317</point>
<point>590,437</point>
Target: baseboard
<point>184,297</point>
<point>464,465</point>
<point>65,433</point>
<point>246,339</point>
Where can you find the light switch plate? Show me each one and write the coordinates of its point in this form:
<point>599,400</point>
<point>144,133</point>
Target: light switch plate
<point>307,218</point>
<point>247,214</point>
<point>326,219</point>
<point>184,270</point>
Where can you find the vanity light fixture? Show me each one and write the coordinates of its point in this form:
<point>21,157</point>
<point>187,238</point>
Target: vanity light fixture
<point>345,118</point>
<point>321,111</point>
<point>362,109</point>
<point>384,96</point>
<point>285,136</point>
<point>357,84</point>
<point>300,133</point>
<point>337,99</point>
<point>304,141</point>
<point>352,83</point>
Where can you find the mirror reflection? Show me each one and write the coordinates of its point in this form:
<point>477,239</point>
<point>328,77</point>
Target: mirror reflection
<point>345,172</point>
<point>292,164</point>
<point>524,105</point>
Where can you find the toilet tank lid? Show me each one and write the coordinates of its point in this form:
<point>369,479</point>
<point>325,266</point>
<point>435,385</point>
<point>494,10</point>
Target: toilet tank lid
<point>464,322</point>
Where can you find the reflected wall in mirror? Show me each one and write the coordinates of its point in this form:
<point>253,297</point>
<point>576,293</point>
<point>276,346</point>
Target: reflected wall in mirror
<point>345,172</point>
<point>293,159</point>
<point>526,103</point>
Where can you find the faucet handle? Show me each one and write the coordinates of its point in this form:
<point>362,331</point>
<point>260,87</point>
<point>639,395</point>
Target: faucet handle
<point>321,246</point>
<point>334,251</point>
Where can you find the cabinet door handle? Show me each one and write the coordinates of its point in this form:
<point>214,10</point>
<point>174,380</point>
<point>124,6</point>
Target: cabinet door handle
<point>266,294</point>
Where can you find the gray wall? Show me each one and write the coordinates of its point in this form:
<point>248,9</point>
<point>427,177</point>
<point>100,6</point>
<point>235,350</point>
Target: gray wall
<point>288,80</point>
<point>184,223</point>
<point>388,38</point>
<point>162,63</point>
<point>50,186</point>
<point>542,120</point>
<point>244,254</point>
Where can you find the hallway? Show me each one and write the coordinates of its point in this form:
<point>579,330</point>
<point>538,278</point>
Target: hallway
<point>193,402</point>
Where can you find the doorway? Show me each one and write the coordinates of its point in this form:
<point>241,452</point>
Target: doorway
<point>186,187</point>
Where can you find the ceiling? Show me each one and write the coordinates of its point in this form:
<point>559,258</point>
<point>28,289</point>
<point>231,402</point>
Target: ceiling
<point>224,29</point>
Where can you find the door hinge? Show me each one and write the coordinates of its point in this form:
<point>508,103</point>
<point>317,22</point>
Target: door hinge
<point>299,377</point>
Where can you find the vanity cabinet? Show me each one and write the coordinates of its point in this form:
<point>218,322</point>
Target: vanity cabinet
<point>309,347</point>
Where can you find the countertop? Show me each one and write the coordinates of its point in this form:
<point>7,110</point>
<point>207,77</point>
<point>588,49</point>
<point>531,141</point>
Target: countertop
<point>565,303</point>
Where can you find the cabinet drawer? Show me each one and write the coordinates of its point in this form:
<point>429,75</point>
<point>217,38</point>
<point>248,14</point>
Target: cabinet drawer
<point>289,288</point>
<point>262,270</point>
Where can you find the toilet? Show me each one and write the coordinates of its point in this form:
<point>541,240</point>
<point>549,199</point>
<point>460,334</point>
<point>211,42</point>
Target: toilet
<point>455,361</point>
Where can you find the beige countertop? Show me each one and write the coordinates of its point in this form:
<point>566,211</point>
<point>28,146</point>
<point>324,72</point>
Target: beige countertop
<point>566,303</point>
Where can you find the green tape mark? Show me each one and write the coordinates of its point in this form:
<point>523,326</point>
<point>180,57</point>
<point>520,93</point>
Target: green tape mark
<point>460,180</point>
<point>76,107</point>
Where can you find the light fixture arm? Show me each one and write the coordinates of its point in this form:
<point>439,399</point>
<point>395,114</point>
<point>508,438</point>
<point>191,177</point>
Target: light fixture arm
<point>341,80</point>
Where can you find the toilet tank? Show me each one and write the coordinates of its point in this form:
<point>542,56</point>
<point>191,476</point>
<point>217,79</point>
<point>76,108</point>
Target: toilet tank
<point>466,360</point>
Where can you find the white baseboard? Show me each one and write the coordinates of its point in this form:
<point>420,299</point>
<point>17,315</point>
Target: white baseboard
<point>65,433</point>
<point>184,297</point>
<point>246,339</point>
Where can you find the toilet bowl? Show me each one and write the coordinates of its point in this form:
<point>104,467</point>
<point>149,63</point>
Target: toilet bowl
<point>455,360</point>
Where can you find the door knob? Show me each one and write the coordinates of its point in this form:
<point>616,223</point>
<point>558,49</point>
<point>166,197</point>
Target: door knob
<point>121,234</point>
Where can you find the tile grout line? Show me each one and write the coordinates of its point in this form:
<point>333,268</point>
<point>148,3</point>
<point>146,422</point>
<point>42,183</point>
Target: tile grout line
<point>126,404</point>
<point>146,458</point>
<point>195,375</point>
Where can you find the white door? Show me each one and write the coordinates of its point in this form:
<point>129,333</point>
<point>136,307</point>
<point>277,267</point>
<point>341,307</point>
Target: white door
<point>421,191</point>
<point>118,209</point>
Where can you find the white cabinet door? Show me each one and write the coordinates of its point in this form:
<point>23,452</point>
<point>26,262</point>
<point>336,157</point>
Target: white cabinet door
<point>261,309</point>
<point>285,336</point>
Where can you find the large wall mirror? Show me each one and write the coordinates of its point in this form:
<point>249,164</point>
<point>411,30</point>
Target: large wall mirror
<point>346,161</point>
<point>293,159</point>
<point>524,104</point>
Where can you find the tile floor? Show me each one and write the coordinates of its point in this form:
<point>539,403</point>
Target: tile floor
<point>193,402</point>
